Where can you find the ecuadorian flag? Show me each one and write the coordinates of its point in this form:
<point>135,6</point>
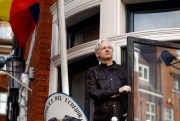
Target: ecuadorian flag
<point>23,16</point>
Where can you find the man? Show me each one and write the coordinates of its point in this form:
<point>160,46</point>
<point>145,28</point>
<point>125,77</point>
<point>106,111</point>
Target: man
<point>106,85</point>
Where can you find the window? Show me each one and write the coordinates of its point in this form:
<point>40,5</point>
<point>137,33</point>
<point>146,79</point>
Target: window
<point>176,84</point>
<point>84,31</point>
<point>143,72</point>
<point>148,21</point>
<point>150,111</point>
<point>178,54</point>
<point>154,15</point>
<point>3,103</point>
<point>136,59</point>
<point>5,31</point>
<point>149,99</point>
<point>168,114</point>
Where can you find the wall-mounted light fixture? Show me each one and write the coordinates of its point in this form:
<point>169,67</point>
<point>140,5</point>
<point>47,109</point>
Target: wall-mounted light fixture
<point>13,67</point>
<point>168,58</point>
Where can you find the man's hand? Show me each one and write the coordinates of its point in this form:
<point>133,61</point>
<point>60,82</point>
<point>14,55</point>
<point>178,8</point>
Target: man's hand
<point>125,115</point>
<point>125,89</point>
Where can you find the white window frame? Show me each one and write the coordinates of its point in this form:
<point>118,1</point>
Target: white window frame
<point>149,112</point>
<point>168,112</point>
<point>143,73</point>
<point>136,58</point>
<point>4,103</point>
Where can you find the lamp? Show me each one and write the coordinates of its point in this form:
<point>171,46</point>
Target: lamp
<point>168,58</point>
<point>14,67</point>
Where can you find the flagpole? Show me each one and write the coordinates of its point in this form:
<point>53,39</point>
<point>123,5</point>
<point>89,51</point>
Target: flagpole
<point>4,72</point>
<point>63,49</point>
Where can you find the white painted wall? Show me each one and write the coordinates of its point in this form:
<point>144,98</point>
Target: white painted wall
<point>109,17</point>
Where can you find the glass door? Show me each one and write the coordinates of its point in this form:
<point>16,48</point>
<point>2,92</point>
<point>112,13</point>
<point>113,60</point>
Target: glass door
<point>154,75</point>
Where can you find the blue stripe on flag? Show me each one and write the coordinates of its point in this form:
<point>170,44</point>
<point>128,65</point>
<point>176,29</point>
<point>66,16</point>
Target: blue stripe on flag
<point>34,9</point>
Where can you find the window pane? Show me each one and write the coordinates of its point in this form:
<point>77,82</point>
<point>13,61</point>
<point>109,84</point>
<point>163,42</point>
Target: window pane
<point>83,31</point>
<point>2,108</point>
<point>147,107</point>
<point>5,31</point>
<point>156,20</point>
<point>3,103</point>
<point>176,84</point>
<point>168,114</point>
<point>3,97</point>
<point>152,118</point>
<point>147,117</point>
<point>145,73</point>
<point>140,71</point>
<point>152,109</point>
<point>160,90</point>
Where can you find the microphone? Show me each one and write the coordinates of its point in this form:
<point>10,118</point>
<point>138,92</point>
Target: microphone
<point>114,118</point>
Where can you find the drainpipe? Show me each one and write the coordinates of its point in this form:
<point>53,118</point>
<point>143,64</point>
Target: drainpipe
<point>63,47</point>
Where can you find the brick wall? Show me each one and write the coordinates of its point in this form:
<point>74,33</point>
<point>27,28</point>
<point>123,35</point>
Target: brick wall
<point>3,89</point>
<point>2,117</point>
<point>41,61</point>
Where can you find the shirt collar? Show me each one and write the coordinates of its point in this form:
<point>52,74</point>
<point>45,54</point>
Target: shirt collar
<point>113,66</point>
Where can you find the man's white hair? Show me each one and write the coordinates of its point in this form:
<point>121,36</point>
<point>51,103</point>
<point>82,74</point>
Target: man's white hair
<point>99,42</point>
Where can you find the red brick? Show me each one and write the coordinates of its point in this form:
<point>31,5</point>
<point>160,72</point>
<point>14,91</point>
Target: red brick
<point>41,61</point>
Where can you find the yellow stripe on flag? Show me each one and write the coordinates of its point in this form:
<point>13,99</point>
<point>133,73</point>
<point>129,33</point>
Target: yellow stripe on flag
<point>5,6</point>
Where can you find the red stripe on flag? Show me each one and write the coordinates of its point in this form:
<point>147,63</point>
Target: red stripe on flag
<point>21,20</point>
